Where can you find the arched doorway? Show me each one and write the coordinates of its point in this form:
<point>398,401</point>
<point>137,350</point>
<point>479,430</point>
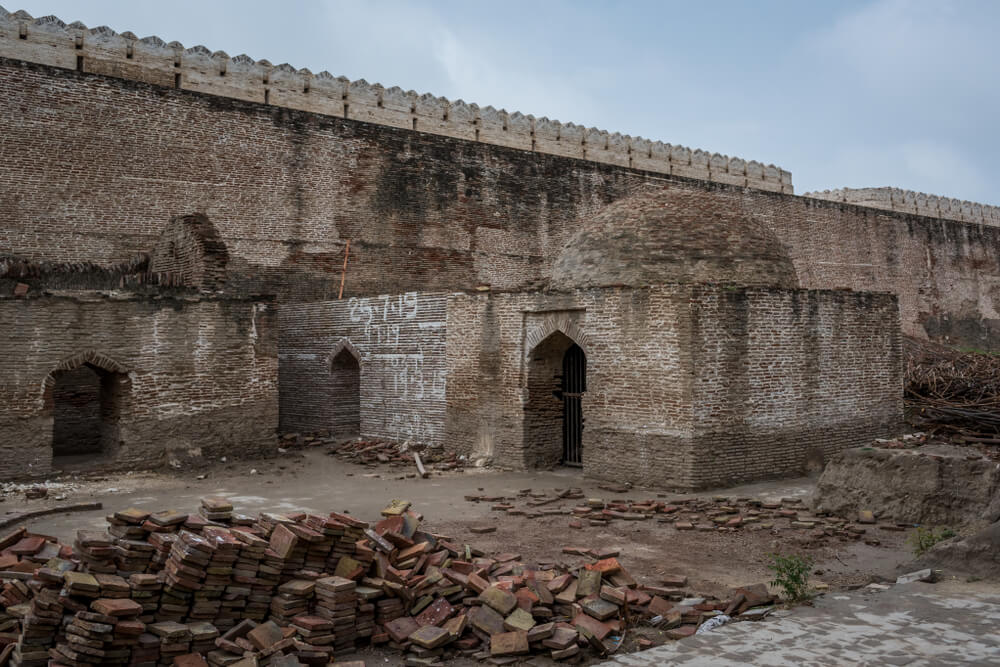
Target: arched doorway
<point>345,381</point>
<point>86,409</point>
<point>553,413</point>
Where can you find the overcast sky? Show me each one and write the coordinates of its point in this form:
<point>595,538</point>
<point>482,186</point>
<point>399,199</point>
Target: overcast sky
<point>847,93</point>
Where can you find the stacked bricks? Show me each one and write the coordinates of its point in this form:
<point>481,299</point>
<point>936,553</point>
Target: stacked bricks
<point>293,599</point>
<point>337,601</point>
<point>104,635</point>
<point>96,551</point>
<point>174,637</point>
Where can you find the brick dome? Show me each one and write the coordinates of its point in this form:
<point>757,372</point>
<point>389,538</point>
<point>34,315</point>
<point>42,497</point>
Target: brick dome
<point>672,236</point>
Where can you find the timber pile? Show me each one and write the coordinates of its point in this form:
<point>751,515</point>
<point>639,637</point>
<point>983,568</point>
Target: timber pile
<point>953,393</point>
<point>300,589</point>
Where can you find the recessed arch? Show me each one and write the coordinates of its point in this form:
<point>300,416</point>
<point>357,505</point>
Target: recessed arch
<point>86,395</point>
<point>344,363</point>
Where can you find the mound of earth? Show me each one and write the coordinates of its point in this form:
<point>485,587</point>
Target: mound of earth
<point>940,485</point>
<point>977,555</point>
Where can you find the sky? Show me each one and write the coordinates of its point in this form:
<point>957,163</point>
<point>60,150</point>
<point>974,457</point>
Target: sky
<point>899,93</point>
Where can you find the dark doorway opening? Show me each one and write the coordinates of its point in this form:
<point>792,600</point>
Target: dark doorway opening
<point>345,376</point>
<point>86,408</point>
<point>553,414</point>
<point>574,383</point>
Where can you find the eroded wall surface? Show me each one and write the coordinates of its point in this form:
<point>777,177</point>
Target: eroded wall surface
<point>95,166</point>
<point>399,341</point>
<point>687,386</point>
<point>198,374</point>
<point>782,379</point>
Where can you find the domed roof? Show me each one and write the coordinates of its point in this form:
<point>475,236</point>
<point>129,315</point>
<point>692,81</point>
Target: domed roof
<point>673,236</point>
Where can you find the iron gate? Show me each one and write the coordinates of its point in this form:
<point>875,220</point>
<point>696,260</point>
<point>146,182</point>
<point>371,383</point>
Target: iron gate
<point>574,383</point>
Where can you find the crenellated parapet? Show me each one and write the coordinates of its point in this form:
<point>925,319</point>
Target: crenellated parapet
<point>50,41</point>
<point>908,201</point>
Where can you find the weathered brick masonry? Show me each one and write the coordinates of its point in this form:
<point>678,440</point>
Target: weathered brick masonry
<point>687,385</point>
<point>399,345</point>
<point>178,373</point>
<point>731,329</point>
<point>93,167</point>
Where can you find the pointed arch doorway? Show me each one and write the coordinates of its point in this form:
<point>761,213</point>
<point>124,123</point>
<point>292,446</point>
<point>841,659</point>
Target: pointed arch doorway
<point>553,413</point>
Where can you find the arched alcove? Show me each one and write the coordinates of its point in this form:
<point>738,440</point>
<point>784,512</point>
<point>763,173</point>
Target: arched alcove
<point>86,395</point>
<point>345,381</point>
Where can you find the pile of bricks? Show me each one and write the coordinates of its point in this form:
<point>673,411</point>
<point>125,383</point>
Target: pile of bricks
<point>375,452</point>
<point>303,588</point>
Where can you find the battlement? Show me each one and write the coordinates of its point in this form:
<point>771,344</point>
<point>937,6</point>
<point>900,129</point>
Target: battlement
<point>908,201</point>
<point>50,41</point>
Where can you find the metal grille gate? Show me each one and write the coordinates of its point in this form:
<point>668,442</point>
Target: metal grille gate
<point>574,383</point>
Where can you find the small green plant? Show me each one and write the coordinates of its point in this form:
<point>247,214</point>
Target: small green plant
<point>791,574</point>
<point>924,538</point>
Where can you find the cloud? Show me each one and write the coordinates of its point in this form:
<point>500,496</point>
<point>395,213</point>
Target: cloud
<point>896,45</point>
<point>922,165</point>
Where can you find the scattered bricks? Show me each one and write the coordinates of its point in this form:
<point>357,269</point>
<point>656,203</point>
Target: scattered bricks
<point>605,566</point>
<point>499,599</point>
<point>576,551</point>
<point>436,613</point>
<point>559,583</point>
<point>683,525</point>
<point>561,638</point>
<point>486,620</point>
<point>616,596</point>
<point>190,660</point>
<point>132,516</point>
<point>519,620</point>
<point>509,644</point>
<point>265,635</point>
<point>588,583</point>
<point>754,596</point>
<point>866,516</point>
<point>401,628</point>
<point>583,622</point>
<point>568,594</point>
<point>430,637</point>
<point>168,518</point>
<point>118,608</point>
<point>28,545</point>
<point>658,606</point>
<point>673,580</point>
<point>456,625</point>
<point>482,530</point>
<point>283,541</point>
<point>681,631</point>
<point>540,632</point>
<point>599,608</point>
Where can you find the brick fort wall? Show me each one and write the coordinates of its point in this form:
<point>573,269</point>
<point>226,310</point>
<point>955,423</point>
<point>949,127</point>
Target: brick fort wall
<point>94,168</point>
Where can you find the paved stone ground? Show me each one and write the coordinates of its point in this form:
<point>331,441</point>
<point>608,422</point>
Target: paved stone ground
<point>909,624</point>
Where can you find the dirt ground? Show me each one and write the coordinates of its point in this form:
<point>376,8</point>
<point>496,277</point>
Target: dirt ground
<point>309,480</point>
